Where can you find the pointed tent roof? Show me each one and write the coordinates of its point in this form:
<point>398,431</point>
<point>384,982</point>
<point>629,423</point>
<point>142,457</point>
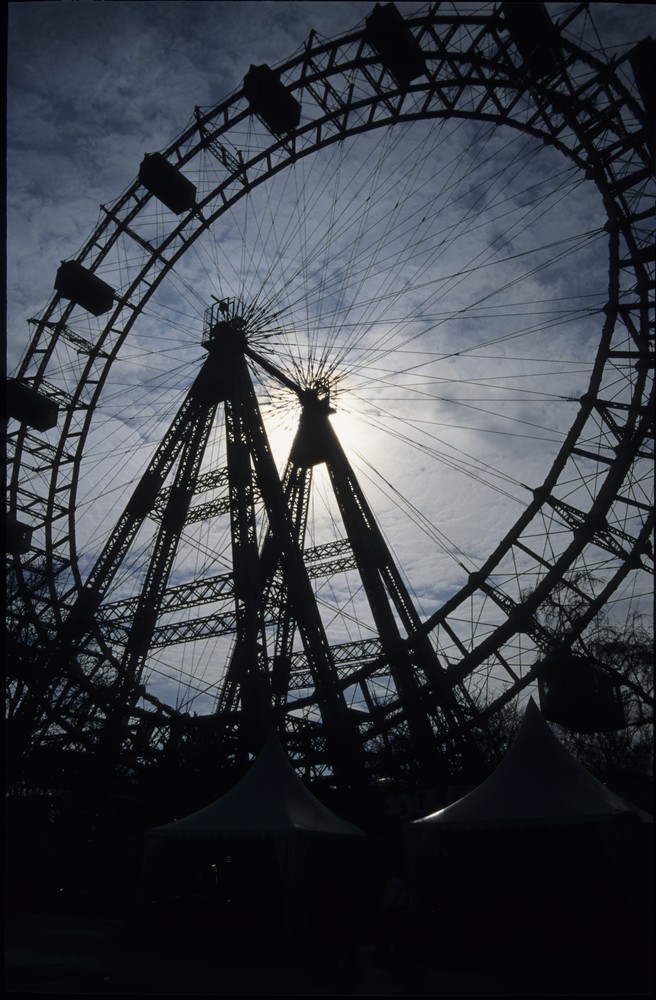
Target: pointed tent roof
<point>538,782</point>
<point>270,800</point>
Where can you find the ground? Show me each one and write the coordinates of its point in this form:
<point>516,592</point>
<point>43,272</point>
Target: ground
<point>65,954</point>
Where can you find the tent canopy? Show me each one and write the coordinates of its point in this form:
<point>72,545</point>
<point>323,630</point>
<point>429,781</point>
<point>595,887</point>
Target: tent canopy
<point>270,800</point>
<point>538,782</point>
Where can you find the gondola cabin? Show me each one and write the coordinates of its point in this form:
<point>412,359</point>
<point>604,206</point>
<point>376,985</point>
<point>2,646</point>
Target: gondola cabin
<point>85,289</point>
<point>18,536</point>
<point>533,32</point>
<point>576,693</point>
<point>388,34</point>
<point>642,59</point>
<point>30,407</point>
<point>270,100</point>
<point>167,183</point>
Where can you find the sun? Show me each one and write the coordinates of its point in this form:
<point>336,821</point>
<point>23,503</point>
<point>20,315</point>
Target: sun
<point>357,434</point>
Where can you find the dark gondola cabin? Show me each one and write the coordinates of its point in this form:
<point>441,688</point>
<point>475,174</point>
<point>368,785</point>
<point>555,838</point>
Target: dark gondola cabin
<point>18,536</point>
<point>84,288</point>
<point>576,693</point>
<point>29,406</point>
<point>535,36</point>
<point>270,100</point>
<point>167,183</point>
<point>399,51</point>
<point>642,59</point>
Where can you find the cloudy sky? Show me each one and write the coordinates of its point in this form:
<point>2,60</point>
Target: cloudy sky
<point>92,86</point>
<point>442,293</point>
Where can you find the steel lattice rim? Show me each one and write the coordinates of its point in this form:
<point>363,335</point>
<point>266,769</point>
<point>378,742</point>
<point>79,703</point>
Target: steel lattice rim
<point>629,294</point>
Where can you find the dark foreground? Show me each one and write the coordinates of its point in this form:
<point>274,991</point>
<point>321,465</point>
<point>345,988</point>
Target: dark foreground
<point>52,954</point>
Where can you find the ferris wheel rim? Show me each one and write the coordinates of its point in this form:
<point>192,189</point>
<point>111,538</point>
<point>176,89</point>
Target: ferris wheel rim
<point>616,203</point>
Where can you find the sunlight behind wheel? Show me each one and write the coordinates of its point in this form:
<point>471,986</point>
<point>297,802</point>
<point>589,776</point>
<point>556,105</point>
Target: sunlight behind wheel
<point>436,263</point>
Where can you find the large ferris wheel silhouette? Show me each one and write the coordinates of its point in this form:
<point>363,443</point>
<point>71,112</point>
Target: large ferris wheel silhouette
<point>394,288</point>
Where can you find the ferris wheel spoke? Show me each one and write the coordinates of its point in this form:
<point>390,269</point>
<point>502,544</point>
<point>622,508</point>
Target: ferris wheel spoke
<point>461,268</point>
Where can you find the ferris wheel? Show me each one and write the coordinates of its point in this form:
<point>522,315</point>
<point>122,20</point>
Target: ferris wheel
<point>389,300</point>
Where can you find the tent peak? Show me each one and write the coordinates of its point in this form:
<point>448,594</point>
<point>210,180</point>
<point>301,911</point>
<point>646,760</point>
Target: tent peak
<point>270,799</point>
<point>537,782</point>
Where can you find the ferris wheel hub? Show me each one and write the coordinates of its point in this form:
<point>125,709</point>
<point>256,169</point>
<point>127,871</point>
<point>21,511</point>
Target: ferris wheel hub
<point>317,320</point>
<point>221,328</point>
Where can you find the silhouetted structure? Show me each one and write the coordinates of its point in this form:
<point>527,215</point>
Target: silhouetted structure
<point>413,693</point>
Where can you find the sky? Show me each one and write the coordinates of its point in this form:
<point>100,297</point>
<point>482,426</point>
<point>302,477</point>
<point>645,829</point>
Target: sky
<point>92,86</point>
<point>450,417</point>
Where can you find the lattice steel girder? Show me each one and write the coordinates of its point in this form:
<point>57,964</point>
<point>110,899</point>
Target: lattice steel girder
<point>315,443</point>
<point>82,344</point>
<point>276,591</point>
<point>385,588</point>
<point>296,490</point>
<point>206,590</point>
<point>227,120</point>
<point>340,547</point>
<point>208,511</point>
<point>214,479</point>
<point>166,543</point>
<point>522,620</point>
<point>604,535</point>
<point>339,730</point>
<point>35,505</point>
<point>315,79</point>
<point>141,501</point>
<point>187,436</point>
<point>247,666</point>
<point>346,656</point>
<point>232,111</point>
<point>45,451</point>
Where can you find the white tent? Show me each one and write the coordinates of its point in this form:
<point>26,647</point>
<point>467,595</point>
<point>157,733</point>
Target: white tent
<point>270,801</point>
<point>541,847</point>
<point>260,849</point>
<point>537,782</point>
